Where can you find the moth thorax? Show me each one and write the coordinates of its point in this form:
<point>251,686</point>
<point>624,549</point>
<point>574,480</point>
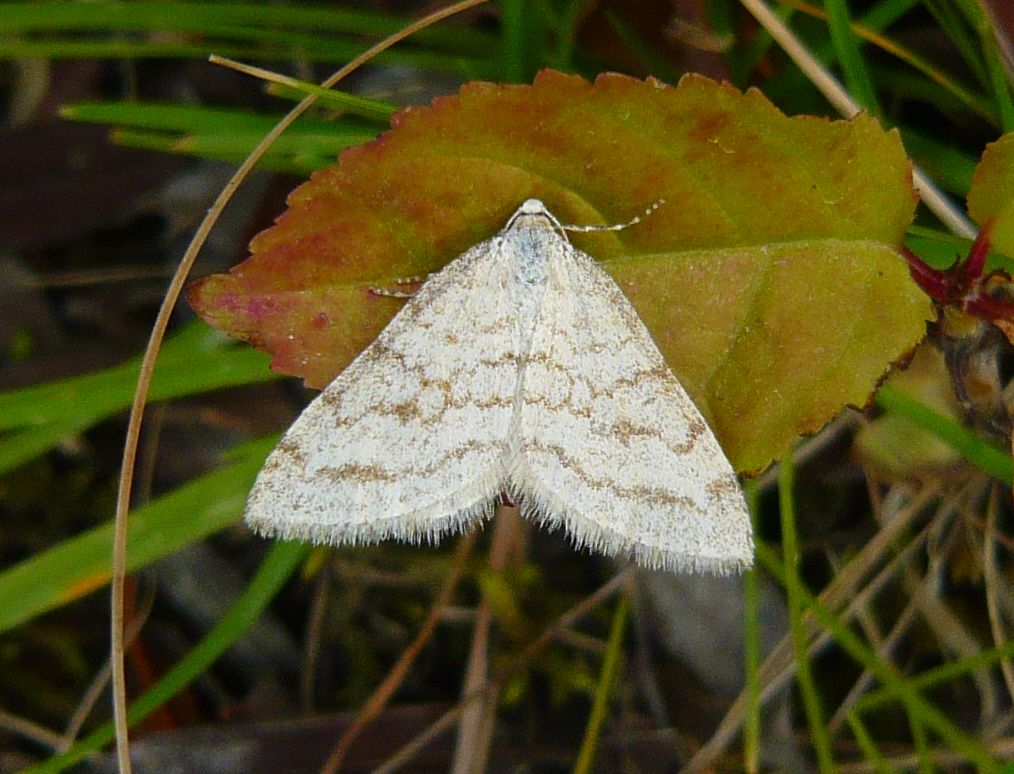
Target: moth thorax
<point>533,245</point>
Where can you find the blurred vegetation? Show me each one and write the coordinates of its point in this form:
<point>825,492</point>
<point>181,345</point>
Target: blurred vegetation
<point>894,562</point>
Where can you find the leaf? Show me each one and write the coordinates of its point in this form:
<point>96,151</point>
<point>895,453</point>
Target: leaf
<point>769,279</point>
<point>992,193</point>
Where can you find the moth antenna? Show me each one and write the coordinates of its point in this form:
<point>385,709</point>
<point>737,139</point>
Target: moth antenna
<point>387,293</point>
<point>619,226</point>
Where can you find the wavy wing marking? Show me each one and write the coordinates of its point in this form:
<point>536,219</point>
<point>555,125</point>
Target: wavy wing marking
<point>410,440</point>
<point>611,445</point>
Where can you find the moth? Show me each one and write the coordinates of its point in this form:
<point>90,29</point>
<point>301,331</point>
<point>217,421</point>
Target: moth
<point>521,369</point>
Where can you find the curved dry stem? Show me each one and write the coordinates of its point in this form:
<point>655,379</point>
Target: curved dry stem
<point>97,688</point>
<point>151,353</point>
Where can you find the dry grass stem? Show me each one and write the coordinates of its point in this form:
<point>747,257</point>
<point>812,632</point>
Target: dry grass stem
<point>159,327</point>
<point>778,667</point>
<point>475,729</point>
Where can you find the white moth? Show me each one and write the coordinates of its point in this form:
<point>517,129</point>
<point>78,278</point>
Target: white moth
<point>519,368</point>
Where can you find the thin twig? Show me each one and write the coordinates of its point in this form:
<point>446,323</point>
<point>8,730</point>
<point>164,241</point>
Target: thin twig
<point>256,72</point>
<point>445,721</point>
<point>396,676</point>
<point>29,729</point>
<point>159,328</point>
<point>311,650</point>
<point>945,758</point>
<point>945,624</point>
<point>94,691</point>
<point>477,719</point>
<point>812,446</point>
<point>778,667</point>
<point>903,623</point>
<point>419,742</point>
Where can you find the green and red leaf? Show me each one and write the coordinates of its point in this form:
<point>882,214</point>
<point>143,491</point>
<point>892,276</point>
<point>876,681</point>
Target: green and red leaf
<point>770,277</point>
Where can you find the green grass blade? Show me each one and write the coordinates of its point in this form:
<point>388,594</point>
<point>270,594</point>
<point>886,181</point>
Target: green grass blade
<point>937,676</point>
<point>895,683</point>
<point>797,629</point>
<point>194,360</point>
<point>237,145</point>
<point>933,86</point>
<point>197,360</point>
<point>1000,89</point>
<point>997,77</point>
<point>191,119</point>
<point>939,249</point>
<point>336,51</point>
<point>512,43</point>
<point>604,690</point>
<point>234,18</point>
<point>81,564</point>
<point>351,104</point>
<point>563,58</point>
<point>950,18</point>
<point>947,165</point>
<point>754,52</point>
<point>293,164</point>
<point>275,570</point>
<point>26,444</point>
<point>752,648</point>
<point>882,15</point>
<point>857,76</point>
<point>988,458</point>
<point>655,64</point>
<point>869,27</point>
<point>929,83</point>
<point>921,743</point>
<point>866,744</point>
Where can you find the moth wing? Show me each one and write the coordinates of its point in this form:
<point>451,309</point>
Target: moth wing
<point>410,440</point>
<point>611,445</point>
